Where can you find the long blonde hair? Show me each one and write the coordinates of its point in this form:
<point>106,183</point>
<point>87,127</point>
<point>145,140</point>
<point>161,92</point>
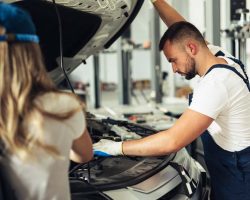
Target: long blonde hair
<point>22,79</point>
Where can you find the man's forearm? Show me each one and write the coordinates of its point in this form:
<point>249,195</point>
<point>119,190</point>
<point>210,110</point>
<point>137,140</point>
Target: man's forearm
<point>167,13</point>
<point>155,145</point>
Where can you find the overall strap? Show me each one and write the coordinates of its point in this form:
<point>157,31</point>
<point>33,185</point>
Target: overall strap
<point>220,53</point>
<point>241,66</point>
<point>246,81</point>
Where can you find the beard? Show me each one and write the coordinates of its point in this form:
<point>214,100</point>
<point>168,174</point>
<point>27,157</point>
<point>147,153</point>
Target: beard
<point>190,65</point>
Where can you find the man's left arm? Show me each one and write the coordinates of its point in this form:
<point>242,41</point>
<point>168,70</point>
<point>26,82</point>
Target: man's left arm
<point>186,129</point>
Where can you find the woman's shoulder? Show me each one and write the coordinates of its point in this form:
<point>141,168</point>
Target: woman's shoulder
<point>57,102</point>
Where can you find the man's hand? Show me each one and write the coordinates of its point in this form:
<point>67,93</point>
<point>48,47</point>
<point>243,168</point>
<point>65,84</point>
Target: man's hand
<point>107,148</point>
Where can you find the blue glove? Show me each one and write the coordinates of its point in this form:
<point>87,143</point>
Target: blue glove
<point>106,148</point>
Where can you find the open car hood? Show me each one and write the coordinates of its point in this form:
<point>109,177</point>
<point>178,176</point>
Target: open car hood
<point>88,26</point>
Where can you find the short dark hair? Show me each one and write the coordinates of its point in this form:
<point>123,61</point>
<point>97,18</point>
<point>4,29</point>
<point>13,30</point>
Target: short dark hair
<point>180,30</point>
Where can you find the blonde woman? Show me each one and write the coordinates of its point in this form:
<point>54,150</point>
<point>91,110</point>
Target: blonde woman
<point>40,127</point>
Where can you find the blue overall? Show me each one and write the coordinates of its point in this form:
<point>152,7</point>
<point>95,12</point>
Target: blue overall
<point>229,171</point>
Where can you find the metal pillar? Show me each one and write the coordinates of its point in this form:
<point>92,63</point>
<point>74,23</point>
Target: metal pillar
<point>243,51</point>
<point>241,34</point>
<point>97,84</point>
<point>213,21</point>
<point>155,55</point>
<point>238,35</point>
<point>124,70</point>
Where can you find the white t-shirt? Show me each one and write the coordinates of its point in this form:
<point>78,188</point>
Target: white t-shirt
<point>46,178</point>
<point>224,96</point>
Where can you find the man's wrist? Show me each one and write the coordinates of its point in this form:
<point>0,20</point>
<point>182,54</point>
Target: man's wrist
<point>116,149</point>
<point>122,149</point>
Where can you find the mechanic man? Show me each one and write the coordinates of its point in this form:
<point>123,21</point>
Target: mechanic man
<point>222,96</point>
